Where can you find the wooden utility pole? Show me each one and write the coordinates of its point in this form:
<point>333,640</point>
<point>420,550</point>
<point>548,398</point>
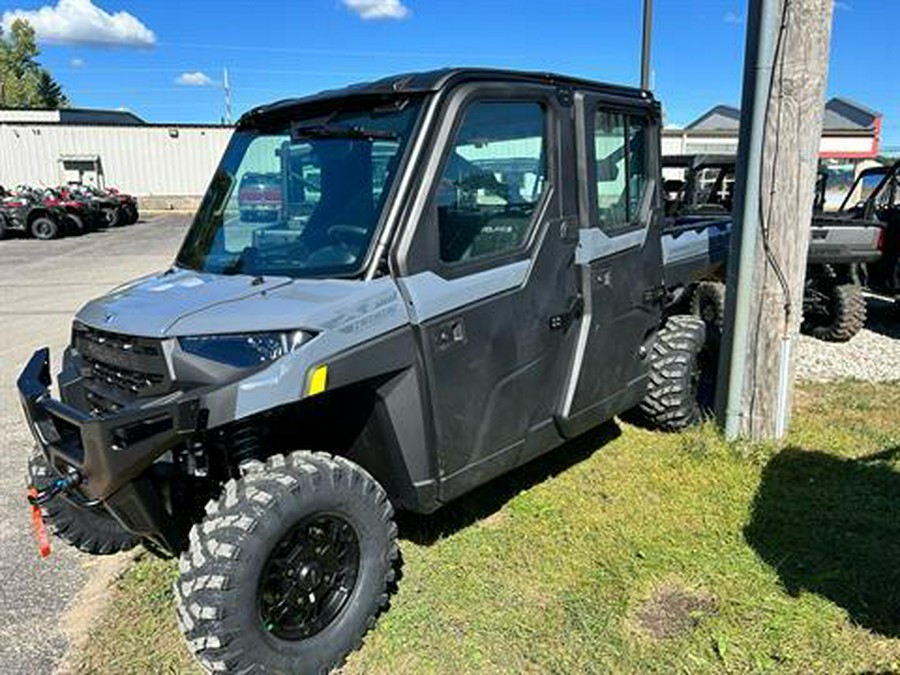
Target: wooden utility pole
<point>781,125</point>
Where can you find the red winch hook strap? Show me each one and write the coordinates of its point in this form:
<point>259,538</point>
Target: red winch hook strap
<point>37,519</point>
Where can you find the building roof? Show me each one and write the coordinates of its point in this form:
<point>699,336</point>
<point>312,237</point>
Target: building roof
<point>70,116</point>
<point>719,118</point>
<point>841,114</point>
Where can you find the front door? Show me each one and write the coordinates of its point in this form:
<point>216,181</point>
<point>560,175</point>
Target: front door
<point>619,258</point>
<point>496,297</point>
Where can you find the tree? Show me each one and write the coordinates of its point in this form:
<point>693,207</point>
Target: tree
<point>24,83</point>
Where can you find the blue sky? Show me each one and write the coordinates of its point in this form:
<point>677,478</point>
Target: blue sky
<point>277,49</point>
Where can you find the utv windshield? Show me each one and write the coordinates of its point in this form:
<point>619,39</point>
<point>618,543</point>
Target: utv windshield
<point>302,198</point>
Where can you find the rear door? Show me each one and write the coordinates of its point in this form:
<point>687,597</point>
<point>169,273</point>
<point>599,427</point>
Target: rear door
<point>619,257</point>
<point>490,277</point>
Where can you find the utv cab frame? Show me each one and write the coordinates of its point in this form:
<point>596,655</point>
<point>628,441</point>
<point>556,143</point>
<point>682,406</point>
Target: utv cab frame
<point>465,272</point>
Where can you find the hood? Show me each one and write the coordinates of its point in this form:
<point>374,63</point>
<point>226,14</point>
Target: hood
<point>193,303</point>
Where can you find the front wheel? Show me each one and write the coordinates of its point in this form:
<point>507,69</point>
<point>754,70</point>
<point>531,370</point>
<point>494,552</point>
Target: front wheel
<point>289,568</point>
<point>44,228</point>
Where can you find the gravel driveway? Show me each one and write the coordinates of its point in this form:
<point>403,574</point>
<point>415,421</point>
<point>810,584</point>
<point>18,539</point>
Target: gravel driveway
<point>42,285</point>
<point>873,354</point>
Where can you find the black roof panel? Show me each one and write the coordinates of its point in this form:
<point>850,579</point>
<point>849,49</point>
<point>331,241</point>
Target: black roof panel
<point>434,80</point>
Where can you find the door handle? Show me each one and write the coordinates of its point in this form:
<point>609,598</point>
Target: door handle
<point>564,320</point>
<point>450,333</point>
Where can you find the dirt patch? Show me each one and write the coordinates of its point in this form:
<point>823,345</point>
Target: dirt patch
<point>90,603</point>
<point>673,611</point>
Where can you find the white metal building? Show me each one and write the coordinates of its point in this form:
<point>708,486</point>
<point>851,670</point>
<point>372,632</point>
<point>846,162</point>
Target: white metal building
<point>850,132</point>
<point>165,164</point>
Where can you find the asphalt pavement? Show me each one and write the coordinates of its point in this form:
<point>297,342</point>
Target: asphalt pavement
<point>42,286</point>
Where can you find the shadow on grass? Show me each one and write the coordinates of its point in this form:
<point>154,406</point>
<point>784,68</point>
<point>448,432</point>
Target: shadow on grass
<point>831,526</point>
<point>489,498</point>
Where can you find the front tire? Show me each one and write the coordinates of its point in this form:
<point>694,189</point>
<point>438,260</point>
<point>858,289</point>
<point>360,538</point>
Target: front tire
<point>44,228</point>
<point>290,567</point>
<point>89,529</point>
<point>683,365</point>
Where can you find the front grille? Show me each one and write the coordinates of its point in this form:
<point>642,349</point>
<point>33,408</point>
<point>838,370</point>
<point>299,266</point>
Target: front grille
<point>116,369</point>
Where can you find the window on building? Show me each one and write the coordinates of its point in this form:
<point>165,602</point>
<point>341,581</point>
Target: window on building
<point>620,155</point>
<point>493,180</point>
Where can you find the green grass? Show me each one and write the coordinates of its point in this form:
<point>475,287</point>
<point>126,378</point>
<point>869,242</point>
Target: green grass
<point>631,551</point>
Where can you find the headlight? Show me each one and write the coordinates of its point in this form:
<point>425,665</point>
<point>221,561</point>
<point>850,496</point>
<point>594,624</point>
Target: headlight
<point>243,350</point>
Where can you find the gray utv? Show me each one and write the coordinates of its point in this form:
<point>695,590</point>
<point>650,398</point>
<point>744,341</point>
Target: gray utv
<point>465,270</point>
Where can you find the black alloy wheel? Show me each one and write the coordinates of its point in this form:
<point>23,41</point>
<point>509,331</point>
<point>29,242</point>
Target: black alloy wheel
<point>308,577</point>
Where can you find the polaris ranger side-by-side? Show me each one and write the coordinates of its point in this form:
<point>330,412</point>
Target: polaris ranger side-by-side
<point>465,270</point>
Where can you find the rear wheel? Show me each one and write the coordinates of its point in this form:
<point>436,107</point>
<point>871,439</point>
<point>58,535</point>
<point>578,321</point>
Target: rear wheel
<point>708,303</point>
<point>74,223</point>
<point>44,228</point>
<point>132,215</point>
<point>838,314</point>
<point>91,529</point>
<point>682,375</point>
<point>289,568</point>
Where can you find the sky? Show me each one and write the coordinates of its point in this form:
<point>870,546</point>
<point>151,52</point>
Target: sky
<point>164,60</point>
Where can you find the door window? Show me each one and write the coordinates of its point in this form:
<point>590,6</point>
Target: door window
<point>620,169</point>
<point>492,181</point>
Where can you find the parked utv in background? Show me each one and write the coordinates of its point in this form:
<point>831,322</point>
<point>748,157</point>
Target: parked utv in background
<point>466,269</point>
<point>840,246</point>
<point>877,191</point>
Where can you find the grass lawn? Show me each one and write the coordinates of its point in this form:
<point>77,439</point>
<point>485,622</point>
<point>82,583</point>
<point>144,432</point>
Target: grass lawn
<point>630,551</point>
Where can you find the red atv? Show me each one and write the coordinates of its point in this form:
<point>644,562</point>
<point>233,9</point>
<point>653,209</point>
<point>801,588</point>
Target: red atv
<point>80,217</point>
<point>20,212</point>
<point>127,203</point>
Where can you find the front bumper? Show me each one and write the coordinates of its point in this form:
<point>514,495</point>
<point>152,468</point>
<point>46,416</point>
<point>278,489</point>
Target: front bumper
<point>109,452</point>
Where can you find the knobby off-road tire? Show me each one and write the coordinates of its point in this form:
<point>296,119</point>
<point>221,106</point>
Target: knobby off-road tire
<point>89,529</point>
<point>44,228</point>
<point>846,315</point>
<point>682,375</point>
<point>708,303</point>
<point>264,533</point>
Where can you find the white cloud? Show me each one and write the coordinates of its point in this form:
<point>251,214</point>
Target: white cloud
<point>82,22</point>
<point>195,79</point>
<point>76,63</point>
<point>733,17</point>
<point>378,9</point>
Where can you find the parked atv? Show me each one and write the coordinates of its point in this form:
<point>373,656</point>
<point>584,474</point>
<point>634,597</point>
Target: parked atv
<point>80,216</point>
<point>20,213</point>
<point>111,212</point>
<point>466,270</point>
<point>127,202</point>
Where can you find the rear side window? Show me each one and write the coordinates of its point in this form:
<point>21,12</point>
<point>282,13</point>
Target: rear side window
<point>492,181</point>
<point>620,169</point>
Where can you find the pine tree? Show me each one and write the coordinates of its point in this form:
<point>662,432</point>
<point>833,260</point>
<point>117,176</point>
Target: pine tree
<point>24,83</point>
